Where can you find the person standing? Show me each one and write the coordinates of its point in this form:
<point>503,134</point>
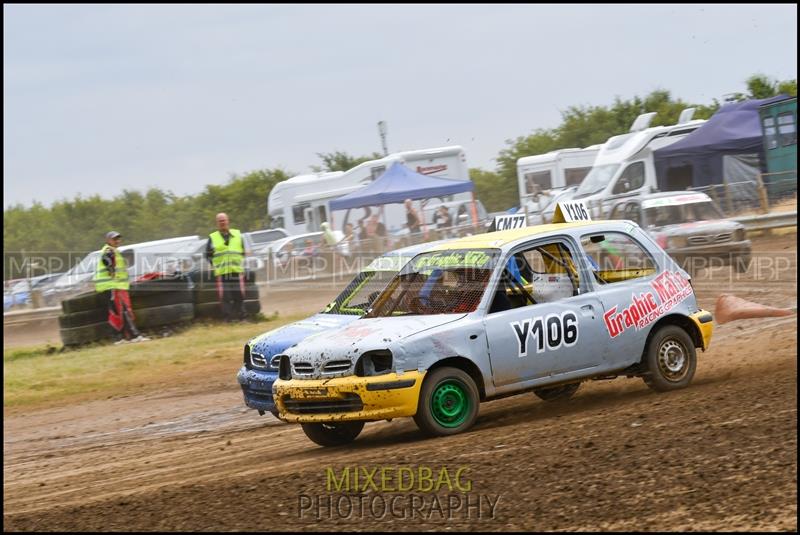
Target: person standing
<point>225,252</point>
<point>412,218</point>
<point>111,275</point>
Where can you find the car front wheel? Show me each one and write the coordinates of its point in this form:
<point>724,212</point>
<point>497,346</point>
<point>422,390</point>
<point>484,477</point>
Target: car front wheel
<point>670,360</point>
<point>448,402</point>
<point>330,434</point>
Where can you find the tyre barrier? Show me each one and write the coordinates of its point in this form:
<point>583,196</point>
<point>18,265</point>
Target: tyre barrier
<point>214,310</point>
<point>155,303</point>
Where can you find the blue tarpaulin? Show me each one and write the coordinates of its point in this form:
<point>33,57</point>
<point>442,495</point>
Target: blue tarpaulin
<point>399,183</point>
<point>734,129</point>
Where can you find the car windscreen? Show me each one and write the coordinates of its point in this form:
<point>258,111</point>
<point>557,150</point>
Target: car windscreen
<point>597,180</point>
<point>359,295</point>
<point>661,216</point>
<point>440,282</point>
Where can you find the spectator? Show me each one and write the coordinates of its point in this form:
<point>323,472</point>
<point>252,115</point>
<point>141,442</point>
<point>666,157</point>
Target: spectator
<point>442,218</point>
<point>225,251</point>
<point>412,218</point>
<point>111,276</point>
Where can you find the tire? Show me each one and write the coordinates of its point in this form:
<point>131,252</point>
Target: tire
<point>85,301</point>
<point>448,402</point>
<point>331,434</point>
<point>557,393</point>
<point>209,295</point>
<point>214,310</point>
<point>670,360</point>
<point>81,319</point>
<point>88,333</point>
<point>147,318</point>
<point>142,300</point>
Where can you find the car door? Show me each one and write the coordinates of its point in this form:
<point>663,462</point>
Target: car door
<point>557,334</point>
<point>633,291</point>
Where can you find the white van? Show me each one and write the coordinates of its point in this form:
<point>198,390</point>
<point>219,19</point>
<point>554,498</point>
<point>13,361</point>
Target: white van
<point>624,166</point>
<point>553,170</point>
<point>300,204</point>
<point>153,256</point>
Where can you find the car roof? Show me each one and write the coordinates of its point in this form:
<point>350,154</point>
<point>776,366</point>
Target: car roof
<point>505,237</point>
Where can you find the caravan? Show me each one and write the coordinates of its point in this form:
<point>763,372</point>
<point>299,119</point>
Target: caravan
<point>300,204</point>
<point>554,170</point>
<point>543,176</point>
<point>624,166</point>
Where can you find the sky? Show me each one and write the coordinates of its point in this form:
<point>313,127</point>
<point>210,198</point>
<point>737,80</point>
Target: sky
<point>101,98</point>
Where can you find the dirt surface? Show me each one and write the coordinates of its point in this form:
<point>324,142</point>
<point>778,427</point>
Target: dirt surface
<point>719,455</point>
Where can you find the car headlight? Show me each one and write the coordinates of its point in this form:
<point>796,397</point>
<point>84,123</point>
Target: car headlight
<point>675,242</point>
<point>374,363</point>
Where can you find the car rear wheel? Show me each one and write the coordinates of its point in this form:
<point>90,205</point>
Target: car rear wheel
<point>670,360</point>
<point>556,393</point>
<point>330,434</point>
<point>448,402</point>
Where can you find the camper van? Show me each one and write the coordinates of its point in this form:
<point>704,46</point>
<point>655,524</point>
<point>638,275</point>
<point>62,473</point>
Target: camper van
<point>624,165</point>
<point>300,204</point>
<point>540,177</point>
<point>554,170</point>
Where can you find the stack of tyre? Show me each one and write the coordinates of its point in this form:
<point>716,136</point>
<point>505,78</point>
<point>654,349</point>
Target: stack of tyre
<point>206,299</point>
<point>156,303</point>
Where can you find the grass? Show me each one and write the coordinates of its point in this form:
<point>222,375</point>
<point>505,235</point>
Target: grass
<point>45,376</point>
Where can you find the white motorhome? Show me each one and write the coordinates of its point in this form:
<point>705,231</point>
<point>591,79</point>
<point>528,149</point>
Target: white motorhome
<point>300,204</point>
<point>624,166</point>
<point>555,170</point>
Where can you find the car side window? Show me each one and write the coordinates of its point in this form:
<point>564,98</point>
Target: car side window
<point>543,273</point>
<point>615,257</point>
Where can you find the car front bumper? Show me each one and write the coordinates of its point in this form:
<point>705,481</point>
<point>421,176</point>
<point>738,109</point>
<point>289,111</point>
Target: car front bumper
<point>380,397</point>
<point>705,325</point>
<point>719,254</point>
<point>257,388</point>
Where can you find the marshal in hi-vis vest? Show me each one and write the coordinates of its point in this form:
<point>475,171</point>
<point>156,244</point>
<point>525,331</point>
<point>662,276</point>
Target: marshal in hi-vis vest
<point>102,278</point>
<point>227,258</point>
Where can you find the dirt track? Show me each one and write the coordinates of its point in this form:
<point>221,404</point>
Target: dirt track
<point>718,455</point>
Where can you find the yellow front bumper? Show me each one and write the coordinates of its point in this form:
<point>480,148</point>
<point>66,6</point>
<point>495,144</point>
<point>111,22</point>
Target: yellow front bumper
<point>704,322</point>
<point>385,396</point>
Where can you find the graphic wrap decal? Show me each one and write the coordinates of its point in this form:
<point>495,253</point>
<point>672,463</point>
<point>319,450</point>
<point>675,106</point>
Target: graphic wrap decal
<point>548,332</point>
<point>669,287</point>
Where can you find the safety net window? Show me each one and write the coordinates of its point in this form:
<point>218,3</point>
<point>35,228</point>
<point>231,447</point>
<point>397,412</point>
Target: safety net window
<point>442,282</point>
<point>541,274</point>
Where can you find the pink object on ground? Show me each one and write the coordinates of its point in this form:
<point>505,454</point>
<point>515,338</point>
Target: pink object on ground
<point>731,308</point>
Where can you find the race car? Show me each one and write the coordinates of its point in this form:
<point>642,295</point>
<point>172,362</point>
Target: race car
<point>487,316</point>
<point>690,227</point>
<point>260,368</point>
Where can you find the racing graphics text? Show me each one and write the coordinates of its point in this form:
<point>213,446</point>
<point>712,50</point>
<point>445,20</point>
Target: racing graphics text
<point>669,287</point>
<point>548,332</point>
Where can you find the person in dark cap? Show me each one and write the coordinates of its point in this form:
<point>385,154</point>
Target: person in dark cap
<point>111,276</point>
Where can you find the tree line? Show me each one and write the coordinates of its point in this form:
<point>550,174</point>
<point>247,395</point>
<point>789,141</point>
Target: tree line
<point>78,225</point>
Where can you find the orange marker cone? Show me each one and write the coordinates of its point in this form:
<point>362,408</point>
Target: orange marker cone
<point>730,308</point>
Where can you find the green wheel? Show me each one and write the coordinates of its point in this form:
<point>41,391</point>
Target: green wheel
<point>448,402</point>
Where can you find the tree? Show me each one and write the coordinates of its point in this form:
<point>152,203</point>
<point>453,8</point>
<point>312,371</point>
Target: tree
<point>494,190</point>
<point>761,86</point>
<point>341,161</point>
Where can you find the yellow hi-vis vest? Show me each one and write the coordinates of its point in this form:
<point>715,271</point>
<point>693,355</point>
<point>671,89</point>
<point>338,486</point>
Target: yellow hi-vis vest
<point>102,278</point>
<point>227,258</point>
